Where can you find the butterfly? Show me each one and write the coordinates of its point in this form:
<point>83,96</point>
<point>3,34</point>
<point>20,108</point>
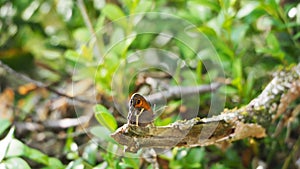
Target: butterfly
<point>140,111</point>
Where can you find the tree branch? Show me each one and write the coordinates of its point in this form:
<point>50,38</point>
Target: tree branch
<point>248,121</point>
<point>43,85</point>
<point>51,124</point>
<point>177,92</point>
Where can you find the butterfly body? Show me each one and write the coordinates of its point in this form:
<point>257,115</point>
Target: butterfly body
<point>140,111</point>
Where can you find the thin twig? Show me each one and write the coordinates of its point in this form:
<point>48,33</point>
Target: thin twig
<point>66,122</point>
<point>43,85</point>
<point>51,124</point>
<point>178,92</point>
<point>88,23</point>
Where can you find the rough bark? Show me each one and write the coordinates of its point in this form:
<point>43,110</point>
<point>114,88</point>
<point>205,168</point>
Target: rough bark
<point>251,120</point>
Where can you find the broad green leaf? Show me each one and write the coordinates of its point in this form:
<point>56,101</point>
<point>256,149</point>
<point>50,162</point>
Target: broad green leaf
<point>105,118</point>
<point>247,8</point>
<point>238,34</point>
<point>174,164</point>
<point>5,143</point>
<point>55,163</point>
<point>115,14</point>
<point>272,9</point>
<point>225,4</point>
<point>207,30</point>
<point>16,163</point>
<point>228,90</point>
<point>218,166</point>
<point>272,42</point>
<point>4,125</point>
<point>36,155</point>
<point>195,156</point>
<point>42,158</point>
<point>16,148</point>
<point>224,51</point>
<point>144,6</point>
<point>82,34</point>
<point>273,48</point>
<point>193,165</point>
<point>100,132</point>
<point>237,74</point>
<point>213,5</point>
<point>90,153</point>
<point>130,162</point>
<point>237,68</point>
<point>72,55</point>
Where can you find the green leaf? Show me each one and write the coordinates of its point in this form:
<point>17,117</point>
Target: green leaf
<point>272,41</point>
<point>248,89</point>
<point>238,34</point>
<point>16,163</point>
<point>218,166</point>
<point>55,163</point>
<point>36,155</point>
<point>105,118</point>
<point>4,125</point>
<point>130,162</point>
<point>213,5</point>
<point>114,13</point>
<point>72,55</point>
<point>100,132</point>
<point>17,148</point>
<point>237,68</point>
<point>5,143</point>
<point>228,90</point>
<point>144,6</point>
<point>273,48</point>
<point>297,36</point>
<point>90,153</point>
<point>42,158</point>
<point>207,31</point>
<point>195,155</point>
<point>82,34</point>
<point>174,164</point>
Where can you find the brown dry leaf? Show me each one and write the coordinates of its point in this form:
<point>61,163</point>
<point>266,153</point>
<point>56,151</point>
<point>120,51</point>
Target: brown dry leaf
<point>82,89</point>
<point>60,103</point>
<point>6,104</point>
<point>287,98</point>
<point>248,130</point>
<point>24,89</point>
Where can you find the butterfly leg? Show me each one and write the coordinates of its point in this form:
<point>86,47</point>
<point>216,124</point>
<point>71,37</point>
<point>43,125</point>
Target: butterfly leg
<point>137,117</point>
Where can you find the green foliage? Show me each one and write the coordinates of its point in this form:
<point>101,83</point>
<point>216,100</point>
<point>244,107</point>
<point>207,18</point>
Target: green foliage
<point>105,118</point>
<point>192,158</point>
<point>13,151</point>
<point>4,125</point>
<point>218,166</point>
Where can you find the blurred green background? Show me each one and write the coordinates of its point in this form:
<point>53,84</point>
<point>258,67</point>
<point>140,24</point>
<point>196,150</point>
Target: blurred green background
<point>52,42</point>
